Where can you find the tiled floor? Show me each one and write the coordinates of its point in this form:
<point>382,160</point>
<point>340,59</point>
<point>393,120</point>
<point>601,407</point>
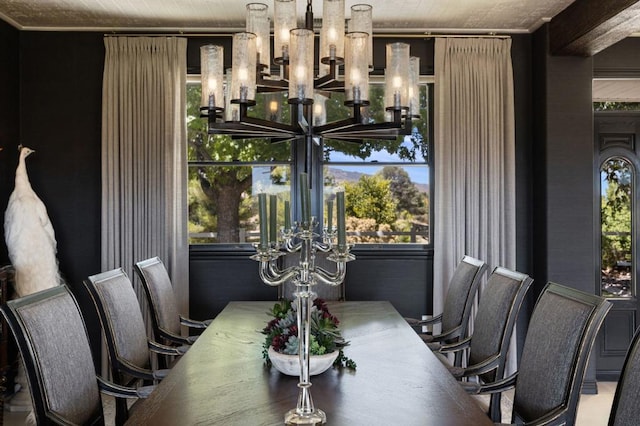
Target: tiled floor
<point>593,410</point>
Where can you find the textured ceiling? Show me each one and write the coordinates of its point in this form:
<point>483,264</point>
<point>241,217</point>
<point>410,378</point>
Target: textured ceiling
<point>436,16</point>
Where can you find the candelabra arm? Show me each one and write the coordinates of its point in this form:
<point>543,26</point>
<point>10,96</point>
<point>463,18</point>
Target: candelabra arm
<point>322,247</point>
<point>331,278</point>
<point>291,247</point>
<point>270,274</point>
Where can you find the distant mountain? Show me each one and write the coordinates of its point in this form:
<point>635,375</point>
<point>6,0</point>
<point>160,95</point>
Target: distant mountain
<point>350,176</point>
<point>344,175</point>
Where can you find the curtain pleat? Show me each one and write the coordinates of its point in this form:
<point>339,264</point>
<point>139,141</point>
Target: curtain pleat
<point>144,174</point>
<point>474,156</point>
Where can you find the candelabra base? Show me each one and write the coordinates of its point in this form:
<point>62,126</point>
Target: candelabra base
<point>293,417</point>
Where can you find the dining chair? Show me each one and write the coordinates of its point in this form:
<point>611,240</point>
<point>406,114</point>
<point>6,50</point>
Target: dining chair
<point>454,318</point>
<point>561,333</point>
<point>625,409</point>
<point>493,326</point>
<point>51,336</point>
<point>123,325</point>
<point>165,318</point>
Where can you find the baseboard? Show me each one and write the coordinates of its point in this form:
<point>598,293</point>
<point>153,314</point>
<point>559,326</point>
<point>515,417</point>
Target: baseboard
<point>589,387</point>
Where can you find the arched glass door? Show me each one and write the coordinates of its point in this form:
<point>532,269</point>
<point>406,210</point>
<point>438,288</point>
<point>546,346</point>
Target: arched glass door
<point>616,224</point>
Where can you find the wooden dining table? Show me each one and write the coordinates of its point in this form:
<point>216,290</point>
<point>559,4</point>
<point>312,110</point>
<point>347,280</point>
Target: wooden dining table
<point>223,380</point>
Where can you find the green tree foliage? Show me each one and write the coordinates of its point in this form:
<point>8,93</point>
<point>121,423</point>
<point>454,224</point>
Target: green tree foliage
<point>219,195</point>
<point>616,213</point>
<point>222,187</point>
<point>371,197</point>
<point>616,106</point>
<point>406,194</point>
<point>408,148</point>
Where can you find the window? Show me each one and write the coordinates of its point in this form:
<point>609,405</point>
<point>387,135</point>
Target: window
<point>387,183</point>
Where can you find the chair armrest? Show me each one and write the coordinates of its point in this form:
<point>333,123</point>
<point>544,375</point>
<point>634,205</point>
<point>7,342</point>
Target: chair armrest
<point>447,335</point>
<point>555,417</point>
<point>414,322</point>
<point>110,388</point>
<point>166,350</point>
<point>498,386</point>
<point>174,338</point>
<point>456,346</point>
<point>482,367</point>
<point>194,323</point>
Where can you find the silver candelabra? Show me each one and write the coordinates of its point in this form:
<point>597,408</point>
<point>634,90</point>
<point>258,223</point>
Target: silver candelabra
<point>302,238</point>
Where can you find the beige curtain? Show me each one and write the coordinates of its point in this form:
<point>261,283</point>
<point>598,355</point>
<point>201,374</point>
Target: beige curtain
<point>474,156</point>
<point>144,174</point>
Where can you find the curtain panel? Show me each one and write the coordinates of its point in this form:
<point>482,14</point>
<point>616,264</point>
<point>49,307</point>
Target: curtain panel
<point>474,156</point>
<point>144,173</point>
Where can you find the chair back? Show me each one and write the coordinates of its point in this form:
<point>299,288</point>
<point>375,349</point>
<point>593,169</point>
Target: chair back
<point>122,322</point>
<point>165,317</point>
<point>462,290</point>
<point>625,409</point>
<point>561,333</point>
<point>54,344</point>
<point>497,314</point>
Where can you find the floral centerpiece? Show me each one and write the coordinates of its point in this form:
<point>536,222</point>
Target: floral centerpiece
<point>282,332</point>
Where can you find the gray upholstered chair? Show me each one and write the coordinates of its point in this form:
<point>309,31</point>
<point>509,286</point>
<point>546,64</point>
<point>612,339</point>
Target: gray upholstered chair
<point>165,317</point>
<point>52,339</point>
<point>454,318</point>
<point>123,325</point>
<point>626,410</point>
<point>493,325</point>
<point>561,333</point>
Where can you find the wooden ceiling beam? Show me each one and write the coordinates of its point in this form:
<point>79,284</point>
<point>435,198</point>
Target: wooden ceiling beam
<point>586,27</point>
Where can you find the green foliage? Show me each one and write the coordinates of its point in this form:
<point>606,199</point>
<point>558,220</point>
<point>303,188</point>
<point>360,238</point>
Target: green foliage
<point>370,197</point>
<point>282,332</point>
<point>224,188</point>
<point>407,148</point>
<point>220,185</point>
<point>407,196</point>
<point>615,213</point>
<point>616,106</point>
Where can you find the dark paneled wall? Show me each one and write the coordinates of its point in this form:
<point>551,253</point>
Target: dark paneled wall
<point>620,60</point>
<point>402,277</point>
<point>9,117</point>
<point>217,277</point>
<point>564,220</point>
<point>60,117</point>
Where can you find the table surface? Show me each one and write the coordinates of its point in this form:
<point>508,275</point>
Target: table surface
<point>222,379</point>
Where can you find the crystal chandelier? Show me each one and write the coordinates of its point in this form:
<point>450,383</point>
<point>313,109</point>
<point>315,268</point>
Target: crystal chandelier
<point>349,49</point>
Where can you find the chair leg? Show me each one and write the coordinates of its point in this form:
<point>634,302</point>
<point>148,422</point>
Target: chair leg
<point>121,411</point>
<point>495,411</point>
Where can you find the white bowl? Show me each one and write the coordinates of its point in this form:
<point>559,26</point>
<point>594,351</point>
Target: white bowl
<point>290,364</point>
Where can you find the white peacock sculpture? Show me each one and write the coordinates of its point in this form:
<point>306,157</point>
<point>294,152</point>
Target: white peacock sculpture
<point>32,247</point>
<point>30,238</point>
